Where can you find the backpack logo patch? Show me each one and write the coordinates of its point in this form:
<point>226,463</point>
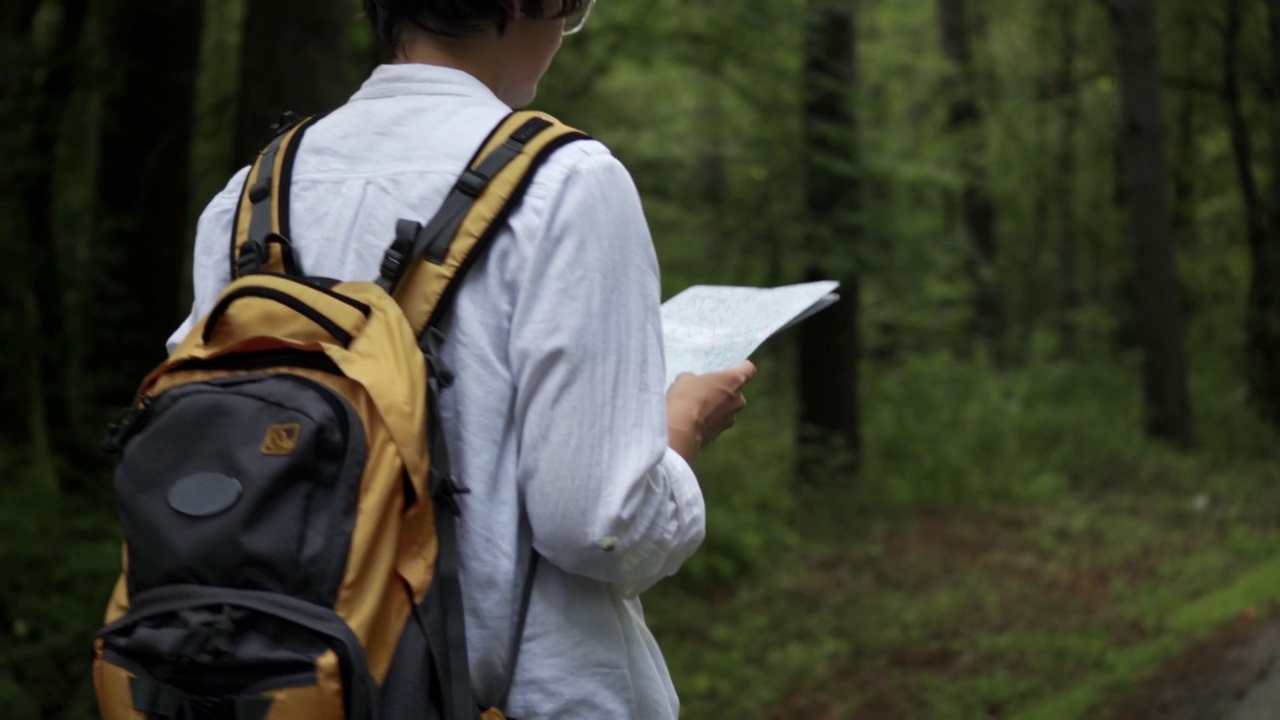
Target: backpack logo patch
<point>281,439</point>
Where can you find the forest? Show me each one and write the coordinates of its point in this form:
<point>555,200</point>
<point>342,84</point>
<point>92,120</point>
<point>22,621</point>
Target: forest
<point>1026,468</point>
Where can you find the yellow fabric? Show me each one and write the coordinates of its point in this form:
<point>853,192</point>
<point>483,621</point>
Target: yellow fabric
<point>322,701</point>
<point>118,605</point>
<point>111,683</point>
<point>385,382</point>
<point>425,284</point>
<point>275,263</point>
<point>383,377</point>
<point>252,316</point>
<point>245,213</point>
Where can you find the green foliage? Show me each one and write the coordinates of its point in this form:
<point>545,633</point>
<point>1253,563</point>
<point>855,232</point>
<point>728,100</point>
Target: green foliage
<point>60,558</point>
<point>1031,472</point>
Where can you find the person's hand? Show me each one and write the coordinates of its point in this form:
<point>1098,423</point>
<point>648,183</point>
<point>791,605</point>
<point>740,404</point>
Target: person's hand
<point>700,407</point>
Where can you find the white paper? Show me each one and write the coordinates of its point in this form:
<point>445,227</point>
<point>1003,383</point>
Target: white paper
<point>713,327</point>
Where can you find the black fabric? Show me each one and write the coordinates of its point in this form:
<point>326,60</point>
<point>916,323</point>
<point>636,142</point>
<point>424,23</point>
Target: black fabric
<point>224,646</point>
<point>158,701</point>
<point>291,529</point>
<point>395,259</point>
<point>445,611</point>
<point>412,689</point>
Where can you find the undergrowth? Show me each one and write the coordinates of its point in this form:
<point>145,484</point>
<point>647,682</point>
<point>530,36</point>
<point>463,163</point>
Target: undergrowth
<point>1040,479</point>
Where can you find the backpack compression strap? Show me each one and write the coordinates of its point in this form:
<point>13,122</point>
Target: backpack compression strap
<point>260,232</point>
<point>423,264</point>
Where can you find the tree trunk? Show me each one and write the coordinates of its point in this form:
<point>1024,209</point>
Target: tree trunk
<point>39,283</point>
<point>1262,316</point>
<point>37,200</point>
<point>1184,138</point>
<point>1068,244</point>
<point>1167,400</point>
<point>293,57</point>
<point>976,204</point>
<point>829,342</point>
<point>142,186</point>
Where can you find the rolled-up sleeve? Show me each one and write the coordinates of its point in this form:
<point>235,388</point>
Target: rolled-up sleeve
<point>606,497</point>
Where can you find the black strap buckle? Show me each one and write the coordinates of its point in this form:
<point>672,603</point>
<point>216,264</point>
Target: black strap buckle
<point>286,123</point>
<point>445,491</point>
<point>253,255</point>
<point>395,260</point>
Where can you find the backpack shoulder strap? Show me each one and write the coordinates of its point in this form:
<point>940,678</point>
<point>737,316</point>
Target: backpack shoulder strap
<point>260,231</point>
<point>423,265</point>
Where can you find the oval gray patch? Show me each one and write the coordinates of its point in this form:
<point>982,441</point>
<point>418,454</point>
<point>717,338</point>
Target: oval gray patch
<point>204,494</point>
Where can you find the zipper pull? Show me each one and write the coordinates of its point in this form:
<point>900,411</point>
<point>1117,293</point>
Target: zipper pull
<point>118,431</point>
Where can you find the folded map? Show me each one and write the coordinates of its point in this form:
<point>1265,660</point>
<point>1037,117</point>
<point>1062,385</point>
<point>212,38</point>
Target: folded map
<point>713,327</point>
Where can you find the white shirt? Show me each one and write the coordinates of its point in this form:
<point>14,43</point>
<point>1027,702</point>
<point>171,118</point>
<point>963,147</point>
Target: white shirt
<point>558,412</point>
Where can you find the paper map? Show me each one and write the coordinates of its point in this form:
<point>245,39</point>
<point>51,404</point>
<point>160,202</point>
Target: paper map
<point>713,327</point>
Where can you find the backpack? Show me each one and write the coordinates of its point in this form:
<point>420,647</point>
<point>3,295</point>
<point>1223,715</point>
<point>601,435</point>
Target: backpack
<point>289,517</point>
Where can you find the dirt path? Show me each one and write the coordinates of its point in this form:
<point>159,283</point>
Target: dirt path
<point>1254,665</point>
<point>1234,676</point>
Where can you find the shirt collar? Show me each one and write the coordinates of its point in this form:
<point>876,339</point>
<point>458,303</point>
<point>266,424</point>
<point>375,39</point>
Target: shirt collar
<point>397,79</point>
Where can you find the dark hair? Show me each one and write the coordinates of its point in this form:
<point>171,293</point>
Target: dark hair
<point>449,18</point>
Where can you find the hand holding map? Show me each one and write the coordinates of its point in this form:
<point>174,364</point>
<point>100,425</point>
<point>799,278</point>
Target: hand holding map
<point>712,327</point>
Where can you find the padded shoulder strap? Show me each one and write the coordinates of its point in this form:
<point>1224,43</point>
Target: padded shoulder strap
<point>260,233</point>
<point>423,265</point>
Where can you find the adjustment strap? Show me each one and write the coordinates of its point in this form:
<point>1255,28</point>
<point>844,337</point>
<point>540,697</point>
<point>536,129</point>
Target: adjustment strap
<point>158,701</point>
<point>260,232</point>
<point>470,186</point>
<point>517,632</point>
<point>460,702</point>
<point>474,211</point>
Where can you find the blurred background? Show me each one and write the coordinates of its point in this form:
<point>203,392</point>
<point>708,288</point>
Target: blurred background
<point>1027,468</point>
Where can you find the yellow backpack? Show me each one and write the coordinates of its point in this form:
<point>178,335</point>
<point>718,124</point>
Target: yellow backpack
<point>283,485</point>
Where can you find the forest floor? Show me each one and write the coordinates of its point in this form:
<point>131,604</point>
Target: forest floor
<point>1151,594</point>
<point>1232,674</point>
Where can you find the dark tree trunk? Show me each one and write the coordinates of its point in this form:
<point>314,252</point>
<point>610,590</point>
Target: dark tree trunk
<point>829,342</point>
<point>40,279</point>
<point>1184,138</point>
<point>1167,400</point>
<point>1262,316</point>
<point>1068,243</point>
<point>142,186</point>
<point>37,200</point>
<point>293,57</point>
<point>976,204</point>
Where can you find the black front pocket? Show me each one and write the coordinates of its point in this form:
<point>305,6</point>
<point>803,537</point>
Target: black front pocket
<point>249,482</point>
<point>218,651</point>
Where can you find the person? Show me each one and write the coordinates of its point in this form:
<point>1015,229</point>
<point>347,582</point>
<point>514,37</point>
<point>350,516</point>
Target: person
<point>559,422</point>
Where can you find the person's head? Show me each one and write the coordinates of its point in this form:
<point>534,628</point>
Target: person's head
<point>509,44</point>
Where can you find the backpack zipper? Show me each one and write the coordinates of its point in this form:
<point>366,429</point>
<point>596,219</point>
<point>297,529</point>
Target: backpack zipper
<point>132,417</point>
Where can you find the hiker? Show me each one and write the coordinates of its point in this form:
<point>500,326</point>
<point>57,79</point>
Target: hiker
<point>559,424</point>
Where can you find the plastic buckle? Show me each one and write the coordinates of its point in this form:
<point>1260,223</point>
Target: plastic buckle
<point>286,123</point>
<point>445,491</point>
<point>436,368</point>
<point>253,255</point>
<point>392,265</point>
